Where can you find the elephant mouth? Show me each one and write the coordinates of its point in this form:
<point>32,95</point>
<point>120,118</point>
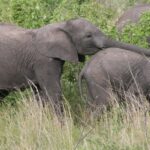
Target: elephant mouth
<point>92,51</point>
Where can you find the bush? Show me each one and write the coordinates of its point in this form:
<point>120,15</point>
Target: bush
<point>28,13</point>
<point>137,33</point>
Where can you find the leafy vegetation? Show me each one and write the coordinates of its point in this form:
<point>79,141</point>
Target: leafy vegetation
<point>28,126</point>
<point>137,33</point>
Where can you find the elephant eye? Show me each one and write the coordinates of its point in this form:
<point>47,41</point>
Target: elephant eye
<point>89,35</point>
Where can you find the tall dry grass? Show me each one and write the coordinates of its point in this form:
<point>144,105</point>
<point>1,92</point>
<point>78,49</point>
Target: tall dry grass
<point>29,126</point>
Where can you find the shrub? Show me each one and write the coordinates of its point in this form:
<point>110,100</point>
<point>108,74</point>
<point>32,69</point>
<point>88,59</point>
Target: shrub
<point>137,33</point>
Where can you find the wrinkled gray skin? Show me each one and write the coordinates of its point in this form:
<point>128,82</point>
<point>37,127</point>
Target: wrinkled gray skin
<point>132,15</point>
<point>38,55</point>
<point>121,71</point>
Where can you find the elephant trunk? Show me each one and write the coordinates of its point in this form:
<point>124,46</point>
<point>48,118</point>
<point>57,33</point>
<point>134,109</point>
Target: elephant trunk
<point>130,47</point>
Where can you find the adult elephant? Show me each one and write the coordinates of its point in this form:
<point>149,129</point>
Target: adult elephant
<point>132,15</point>
<point>38,55</point>
<point>120,71</point>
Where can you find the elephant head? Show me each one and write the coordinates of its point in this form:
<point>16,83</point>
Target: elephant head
<point>68,40</point>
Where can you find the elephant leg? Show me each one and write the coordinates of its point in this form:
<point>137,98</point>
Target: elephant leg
<point>99,93</point>
<point>48,74</point>
<point>146,80</point>
<point>141,86</point>
<point>134,95</point>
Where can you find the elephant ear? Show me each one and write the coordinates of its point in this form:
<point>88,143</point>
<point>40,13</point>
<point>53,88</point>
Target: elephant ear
<point>57,44</point>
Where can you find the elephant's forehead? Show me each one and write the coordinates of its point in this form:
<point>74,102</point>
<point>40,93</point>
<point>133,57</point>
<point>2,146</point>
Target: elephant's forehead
<point>88,27</point>
<point>84,24</point>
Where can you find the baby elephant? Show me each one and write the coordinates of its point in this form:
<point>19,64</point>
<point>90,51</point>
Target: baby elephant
<point>116,70</point>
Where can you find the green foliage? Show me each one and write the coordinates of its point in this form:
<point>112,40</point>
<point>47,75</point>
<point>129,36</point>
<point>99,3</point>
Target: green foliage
<point>137,33</point>
<point>5,11</point>
<point>28,13</point>
<point>100,15</point>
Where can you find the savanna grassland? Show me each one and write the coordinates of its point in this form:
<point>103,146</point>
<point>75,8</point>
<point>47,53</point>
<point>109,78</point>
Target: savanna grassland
<point>26,125</point>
